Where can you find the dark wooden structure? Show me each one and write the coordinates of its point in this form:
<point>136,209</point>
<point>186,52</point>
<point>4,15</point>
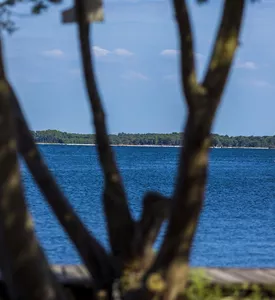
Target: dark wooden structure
<point>78,275</point>
<point>76,278</point>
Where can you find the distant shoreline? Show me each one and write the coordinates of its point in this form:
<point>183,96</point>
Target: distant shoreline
<point>173,139</point>
<point>155,146</point>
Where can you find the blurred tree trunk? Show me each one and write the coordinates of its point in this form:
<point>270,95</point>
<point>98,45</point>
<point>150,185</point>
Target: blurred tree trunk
<point>131,270</point>
<point>24,265</point>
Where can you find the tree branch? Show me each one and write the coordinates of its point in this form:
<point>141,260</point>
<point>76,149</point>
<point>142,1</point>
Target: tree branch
<point>120,224</point>
<point>224,49</point>
<point>172,261</point>
<point>190,83</point>
<point>92,253</point>
<point>26,262</point>
<point>167,277</point>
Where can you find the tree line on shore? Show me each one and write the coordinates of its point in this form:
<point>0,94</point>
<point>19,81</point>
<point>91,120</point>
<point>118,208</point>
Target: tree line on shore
<point>158,139</point>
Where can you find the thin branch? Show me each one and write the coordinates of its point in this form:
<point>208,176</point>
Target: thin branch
<point>223,52</point>
<point>31,274</point>
<point>121,226</point>
<point>190,83</point>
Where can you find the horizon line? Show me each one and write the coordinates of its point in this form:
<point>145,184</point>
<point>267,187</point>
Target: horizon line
<point>173,132</point>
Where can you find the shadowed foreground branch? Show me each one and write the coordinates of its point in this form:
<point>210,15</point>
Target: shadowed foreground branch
<point>167,277</point>
<point>26,268</point>
<point>25,260</point>
<point>93,254</point>
<point>130,241</point>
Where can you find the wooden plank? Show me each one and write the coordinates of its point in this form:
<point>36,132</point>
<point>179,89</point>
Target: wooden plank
<point>57,270</point>
<point>78,274</point>
<point>262,276</point>
<point>82,270</point>
<point>222,276</point>
<point>63,272</point>
<point>234,275</point>
<point>72,273</point>
<point>271,272</point>
<point>246,276</point>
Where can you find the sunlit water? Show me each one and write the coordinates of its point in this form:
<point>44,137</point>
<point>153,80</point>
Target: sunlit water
<point>237,226</point>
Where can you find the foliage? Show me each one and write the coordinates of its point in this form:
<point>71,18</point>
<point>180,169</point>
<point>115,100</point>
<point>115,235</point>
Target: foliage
<point>200,287</point>
<point>6,11</point>
<point>243,141</point>
<point>158,139</point>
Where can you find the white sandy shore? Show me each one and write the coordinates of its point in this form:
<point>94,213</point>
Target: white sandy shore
<point>161,146</point>
<point>111,145</point>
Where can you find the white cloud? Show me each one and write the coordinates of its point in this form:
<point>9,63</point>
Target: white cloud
<point>261,83</point>
<point>174,52</point>
<point>199,56</point>
<point>100,51</point>
<point>122,52</point>
<point>53,53</point>
<point>248,65</point>
<point>135,75</point>
<point>170,77</point>
<point>75,72</point>
<point>169,52</point>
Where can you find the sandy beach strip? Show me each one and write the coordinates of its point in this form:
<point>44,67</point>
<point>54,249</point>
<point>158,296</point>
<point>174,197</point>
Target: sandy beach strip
<point>158,146</point>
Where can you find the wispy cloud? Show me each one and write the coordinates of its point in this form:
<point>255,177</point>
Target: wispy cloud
<point>100,51</point>
<point>248,65</point>
<point>261,83</point>
<point>135,76</point>
<point>175,52</point>
<point>170,77</point>
<point>53,53</point>
<point>123,52</point>
<point>75,72</point>
<point>199,56</point>
<point>169,52</point>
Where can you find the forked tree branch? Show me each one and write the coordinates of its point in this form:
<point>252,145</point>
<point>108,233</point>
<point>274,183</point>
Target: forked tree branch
<point>167,277</point>
<point>31,275</point>
<point>120,224</point>
<point>92,253</point>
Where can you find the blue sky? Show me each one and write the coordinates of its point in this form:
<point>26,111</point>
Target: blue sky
<point>136,58</point>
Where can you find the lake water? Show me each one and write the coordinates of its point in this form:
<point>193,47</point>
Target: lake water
<point>237,226</point>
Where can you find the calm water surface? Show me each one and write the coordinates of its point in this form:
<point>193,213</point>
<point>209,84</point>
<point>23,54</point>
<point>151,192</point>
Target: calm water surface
<point>237,226</point>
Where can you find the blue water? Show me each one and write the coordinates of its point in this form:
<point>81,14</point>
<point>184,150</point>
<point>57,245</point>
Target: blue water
<point>237,225</point>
